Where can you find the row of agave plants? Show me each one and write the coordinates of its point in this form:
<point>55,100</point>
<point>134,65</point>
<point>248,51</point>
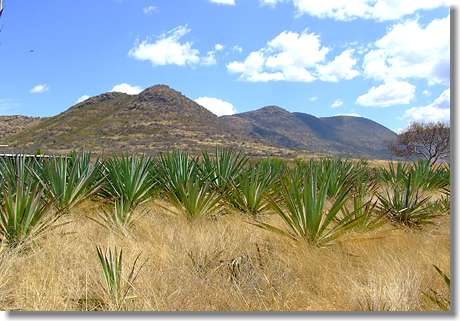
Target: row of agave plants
<point>318,200</point>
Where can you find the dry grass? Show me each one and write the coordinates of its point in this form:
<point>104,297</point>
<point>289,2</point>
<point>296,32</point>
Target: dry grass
<point>225,264</point>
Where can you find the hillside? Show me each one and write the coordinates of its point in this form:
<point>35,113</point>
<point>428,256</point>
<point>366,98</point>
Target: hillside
<point>160,119</point>
<point>343,135</point>
<point>10,125</point>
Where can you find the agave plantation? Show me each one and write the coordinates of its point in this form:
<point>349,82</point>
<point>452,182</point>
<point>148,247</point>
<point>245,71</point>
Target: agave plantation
<point>309,205</point>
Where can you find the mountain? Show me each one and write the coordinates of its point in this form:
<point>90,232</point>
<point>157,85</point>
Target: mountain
<point>10,125</point>
<point>342,135</point>
<point>161,118</point>
<point>158,119</point>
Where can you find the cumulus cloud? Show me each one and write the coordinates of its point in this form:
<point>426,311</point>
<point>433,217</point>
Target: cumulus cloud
<point>410,50</point>
<point>39,89</point>
<point>270,3</point>
<point>224,2</point>
<point>167,49</point>
<point>82,99</point>
<point>337,103</point>
<point>216,106</point>
<point>150,9</point>
<point>342,67</point>
<point>379,10</point>
<point>219,47</point>
<point>438,110</point>
<point>388,94</point>
<point>237,48</point>
<point>127,89</point>
<point>292,56</point>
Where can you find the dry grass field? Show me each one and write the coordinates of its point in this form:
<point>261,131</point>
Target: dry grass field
<point>223,262</point>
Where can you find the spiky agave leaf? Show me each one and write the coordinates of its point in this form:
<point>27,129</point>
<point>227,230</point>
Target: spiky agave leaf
<point>25,215</point>
<point>363,204</point>
<point>131,178</point>
<point>442,301</point>
<point>405,204</point>
<point>250,193</point>
<point>117,216</point>
<point>226,165</point>
<point>116,284</point>
<point>305,214</point>
<point>185,187</point>
<point>69,180</point>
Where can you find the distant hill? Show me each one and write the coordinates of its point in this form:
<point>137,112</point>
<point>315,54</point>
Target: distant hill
<point>10,125</point>
<point>343,135</point>
<point>160,119</point>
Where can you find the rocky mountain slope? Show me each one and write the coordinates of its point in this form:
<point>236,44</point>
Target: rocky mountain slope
<point>160,119</point>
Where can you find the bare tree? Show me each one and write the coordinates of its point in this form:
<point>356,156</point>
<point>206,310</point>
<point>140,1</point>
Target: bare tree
<point>427,140</point>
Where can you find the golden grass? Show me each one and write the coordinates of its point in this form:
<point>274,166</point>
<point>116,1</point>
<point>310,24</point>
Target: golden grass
<point>226,264</point>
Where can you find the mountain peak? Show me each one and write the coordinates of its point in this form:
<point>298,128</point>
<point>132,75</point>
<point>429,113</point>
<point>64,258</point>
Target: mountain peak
<point>100,99</point>
<point>273,109</point>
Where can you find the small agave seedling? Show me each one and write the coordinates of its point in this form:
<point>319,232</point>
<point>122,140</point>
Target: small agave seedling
<point>117,285</point>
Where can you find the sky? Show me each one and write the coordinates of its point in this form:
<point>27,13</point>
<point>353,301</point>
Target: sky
<point>387,60</point>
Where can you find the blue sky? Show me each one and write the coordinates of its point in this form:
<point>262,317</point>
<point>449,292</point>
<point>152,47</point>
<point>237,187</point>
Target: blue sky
<point>385,60</point>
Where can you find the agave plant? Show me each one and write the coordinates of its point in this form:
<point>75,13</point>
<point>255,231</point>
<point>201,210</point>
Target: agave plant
<point>117,285</point>
<point>24,214</point>
<point>425,176</point>
<point>364,206</point>
<point>224,166</point>
<point>393,175</point>
<point>250,193</point>
<point>305,213</point>
<point>338,173</point>
<point>406,204</point>
<point>131,178</point>
<point>18,168</point>
<point>430,177</point>
<point>117,216</point>
<point>185,187</point>
<point>69,180</point>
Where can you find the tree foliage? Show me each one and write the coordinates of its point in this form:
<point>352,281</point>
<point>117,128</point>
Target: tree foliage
<point>430,141</point>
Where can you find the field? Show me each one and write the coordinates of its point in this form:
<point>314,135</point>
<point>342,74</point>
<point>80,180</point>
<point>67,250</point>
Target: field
<point>222,232</point>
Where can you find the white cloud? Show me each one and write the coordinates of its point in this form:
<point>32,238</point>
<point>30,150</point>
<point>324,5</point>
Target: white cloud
<point>388,94</point>
<point>337,103</point>
<point>409,50</point>
<point>270,3</point>
<point>349,114</point>
<point>39,89</point>
<point>219,47</point>
<point>209,59</point>
<point>314,98</point>
<point>380,10</point>
<point>167,49</point>
<point>82,99</point>
<point>342,67</point>
<point>438,110</point>
<point>127,89</point>
<point>150,9</point>
<point>216,106</point>
<point>237,48</point>
<point>224,2</point>
<point>426,93</point>
<point>292,56</point>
